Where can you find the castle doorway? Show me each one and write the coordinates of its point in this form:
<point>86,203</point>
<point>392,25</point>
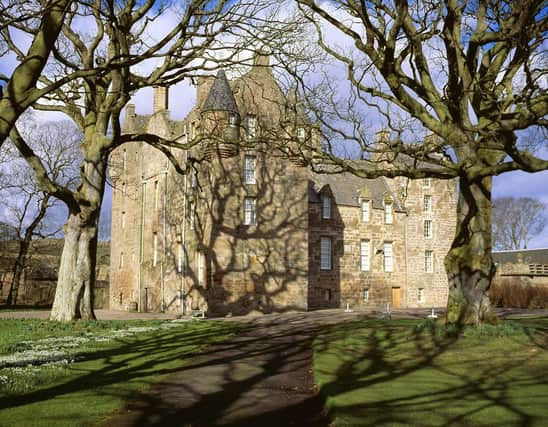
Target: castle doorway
<point>396,297</point>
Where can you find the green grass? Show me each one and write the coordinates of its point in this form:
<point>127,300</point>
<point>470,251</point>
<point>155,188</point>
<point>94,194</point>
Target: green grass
<point>105,375</point>
<point>411,373</point>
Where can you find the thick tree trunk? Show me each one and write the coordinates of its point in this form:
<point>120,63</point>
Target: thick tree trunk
<point>76,280</point>
<point>74,293</point>
<point>469,263</point>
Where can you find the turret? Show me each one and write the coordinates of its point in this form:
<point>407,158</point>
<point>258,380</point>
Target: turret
<point>221,117</point>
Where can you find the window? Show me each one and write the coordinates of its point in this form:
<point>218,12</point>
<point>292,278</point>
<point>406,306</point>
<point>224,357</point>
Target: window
<point>180,255</point>
<point>427,182</point>
<point>427,228</point>
<point>121,260</point>
<point>428,262</point>
<point>233,119</point>
<point>124,160</point>
<point>155,250</point>
<point>365,250</point>
<point>327,294</point>
<point>123,189</point>
<point>249,169</point>
<point>250,214</point>
<point>123,220</point>
<point>251,128</point>
<point>427,203</point>
<point>420,295</point>
<point>366,294</point>
<point>326,207</point>
<point>325,253</point>
<point>201,268</point>
<point>388,257</point>
<point>300,133</point>
<point>156,195</point>
<point>388,216</point>
<point>365,211</point>
<point>193,179</point>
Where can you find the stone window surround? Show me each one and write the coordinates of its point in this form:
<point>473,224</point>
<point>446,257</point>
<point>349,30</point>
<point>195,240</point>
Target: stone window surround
<point>326,206</point>
<point>428,228</point>
<point>388,257</point>
<point>365,205</point>
<point>250,211</point>
<point>365,256</point>
<point>428,261</point>
<point>388,212</point>
<point>326,259</point>
<point>250,168</point>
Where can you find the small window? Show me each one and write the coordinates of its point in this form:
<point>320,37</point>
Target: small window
<point>365,210</point>
<point>427,203</point>
<point>124,160</point>
<point>366,294</point>
<point>388,213</point>
<point>388,258</point>
<point>121,260</point>
<point>250,214</point>
<point>251,126</point>
<point>427,182</point>
<point>428,262</point>
<point>192,216</point>
<point>123,220</point>
<point>420,295</point>
<point>201,268</point>
<point>427,228</point>
<point>365,250</point>
<point>123,189</point>
<point>193,179</point>
<point>156,195</point>
<point>325,253</point>
<point>326,207</point>
<point>327,295</point>
<point>180,257</point>
<point>233,119</point>
<point>301,134</point>
<point>249,169</point>
<point>155,250</point>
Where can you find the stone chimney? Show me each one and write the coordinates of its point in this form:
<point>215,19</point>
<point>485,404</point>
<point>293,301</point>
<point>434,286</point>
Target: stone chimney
<point>261,59</point>
<point>382,143</point>
<point>160,102</point>
<point>130,110</point>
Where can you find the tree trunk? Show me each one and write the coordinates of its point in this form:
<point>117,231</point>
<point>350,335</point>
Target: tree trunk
<point>469,263</point>
<point>74,293</point>
<point>76,280</point>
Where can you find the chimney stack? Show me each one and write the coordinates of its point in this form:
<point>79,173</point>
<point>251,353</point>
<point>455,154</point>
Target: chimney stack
<point>382,137</point>
<point>261,59</point>
<point>130,110</point>
<point>160,102</point>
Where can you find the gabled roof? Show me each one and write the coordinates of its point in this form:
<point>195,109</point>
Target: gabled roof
<point>220,97</point>
<point>347,188</point>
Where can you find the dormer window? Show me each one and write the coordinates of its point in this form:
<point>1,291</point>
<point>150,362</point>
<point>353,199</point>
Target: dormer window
<point>251,126</point>
<point>326,207</point>
<point>301,133</point>
<point>233,119</point>
<point>388,212</point>
<point>365,211</point>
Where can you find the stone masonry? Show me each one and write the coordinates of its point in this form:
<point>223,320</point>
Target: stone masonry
<point>241,231</point>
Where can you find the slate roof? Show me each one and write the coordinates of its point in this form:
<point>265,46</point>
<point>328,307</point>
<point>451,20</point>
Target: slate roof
<point>220,97</point>
<point>529,256</point>
<point>346,188</point>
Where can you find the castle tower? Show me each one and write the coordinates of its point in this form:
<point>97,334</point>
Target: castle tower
<point>221,118</point>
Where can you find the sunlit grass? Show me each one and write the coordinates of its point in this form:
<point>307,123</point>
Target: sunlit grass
<point>113,362</point>
<point>409,373</point>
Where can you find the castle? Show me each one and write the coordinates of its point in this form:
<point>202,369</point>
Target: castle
<point>249,228</point>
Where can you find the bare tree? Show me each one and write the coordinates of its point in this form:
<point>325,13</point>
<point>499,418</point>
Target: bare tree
<point>27,208</point>
<point>45,19</point>
<point>471,73</point>
<point>516,220</point>
<point>114,63</point>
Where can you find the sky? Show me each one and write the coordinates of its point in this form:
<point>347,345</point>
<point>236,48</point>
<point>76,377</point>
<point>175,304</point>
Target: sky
<point>182,98</point>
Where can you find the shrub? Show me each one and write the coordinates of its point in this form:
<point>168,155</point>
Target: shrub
<point>517,293</point>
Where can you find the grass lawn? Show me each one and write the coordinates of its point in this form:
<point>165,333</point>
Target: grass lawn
<point>75,374</point>
<point>409,373</point>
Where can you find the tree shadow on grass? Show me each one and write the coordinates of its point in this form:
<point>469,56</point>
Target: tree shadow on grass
<point>390,376</point>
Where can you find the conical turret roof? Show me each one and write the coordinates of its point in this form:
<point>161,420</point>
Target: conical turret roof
<point>220,97</point>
